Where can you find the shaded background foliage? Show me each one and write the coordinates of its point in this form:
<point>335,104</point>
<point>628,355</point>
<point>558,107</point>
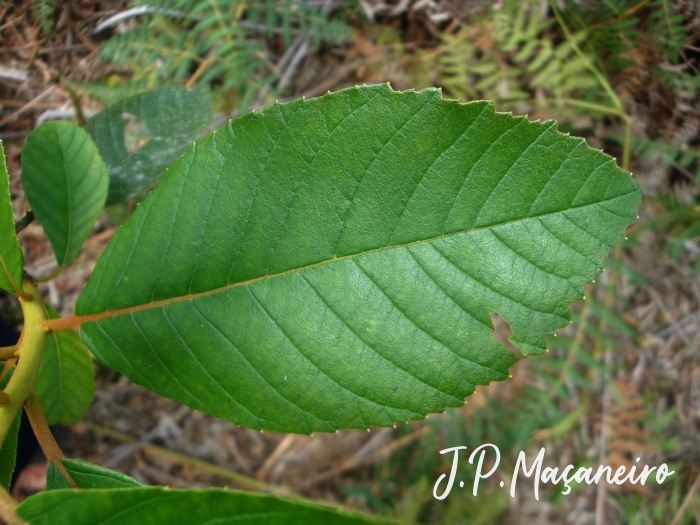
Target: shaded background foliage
<point>621,382</point>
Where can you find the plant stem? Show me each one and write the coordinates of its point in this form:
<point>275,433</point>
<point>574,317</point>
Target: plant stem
<point>627,145</point>
<point>586,59</point>
<point>688,500</point>
<point>8,506</point>
<point>75,99</point>
<point>64,323</point>
<point>601,489</point>
<point>50,276</point>
<point>571,358</point>
<point>30,349</point>
<point>7,352</point>
<point>224,473</point>
<point>200,71</point>
<point>24,221</point>
<point>45,438</point>
<point>618,18</point>
<point>596,107</point>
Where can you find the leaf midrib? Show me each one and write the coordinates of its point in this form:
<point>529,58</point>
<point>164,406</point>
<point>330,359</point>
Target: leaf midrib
<point>69,211</point>
<point>80,319</point>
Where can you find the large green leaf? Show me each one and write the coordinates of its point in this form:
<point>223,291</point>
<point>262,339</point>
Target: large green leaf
<point>8,448</point>
<point>162,506</point>
<point>88,476</point>
<point>11,258</point>
<point>172,119</point>
<point>65,181</point>
<point>333,263</point>
<point>66,381</point>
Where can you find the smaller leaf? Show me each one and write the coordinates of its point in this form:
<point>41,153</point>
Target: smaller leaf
<point>163,506</point>
<point>171,120</point>
<point>11,259</point>
<point>65,181</point>
<point>66,381</point>
<point>8,449</point>
<point>88,476</point>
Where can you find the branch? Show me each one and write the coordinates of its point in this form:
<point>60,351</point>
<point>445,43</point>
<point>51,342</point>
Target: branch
<point>30,350</point>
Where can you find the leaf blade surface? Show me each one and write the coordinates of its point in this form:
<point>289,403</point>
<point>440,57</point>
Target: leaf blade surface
<point>159,505</point>
<point>11,257</point>
<point>333,263</point>
<point>66,381</point>
<point>88,476</point>
<point>8,448</point>
<point>174,118</point>
<point>65,181</point>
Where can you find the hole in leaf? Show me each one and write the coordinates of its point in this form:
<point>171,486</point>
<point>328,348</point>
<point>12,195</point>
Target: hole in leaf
<point>136,134</point>
<point>502,333</point>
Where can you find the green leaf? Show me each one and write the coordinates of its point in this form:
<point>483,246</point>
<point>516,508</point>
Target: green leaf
<point>159,505</point>
<point>66,381</point>
<point>11,258</point>
<point>65,181</point>
<point>88,476</point>
<point>8,449</point>
<point>333,263</point>
<point>172,119</point>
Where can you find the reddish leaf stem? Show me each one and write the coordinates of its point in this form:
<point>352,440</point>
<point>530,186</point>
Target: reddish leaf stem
<point>45,438</point>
